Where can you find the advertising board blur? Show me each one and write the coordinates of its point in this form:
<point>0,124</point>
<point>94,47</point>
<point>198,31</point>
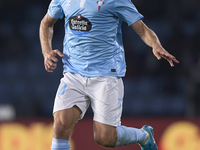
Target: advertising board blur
<point>36,134</point>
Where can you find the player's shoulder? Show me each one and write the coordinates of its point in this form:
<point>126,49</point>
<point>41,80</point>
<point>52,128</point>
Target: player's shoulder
<point>56,1</point>
<point>122,2</point>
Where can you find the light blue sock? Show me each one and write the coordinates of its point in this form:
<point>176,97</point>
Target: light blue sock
<point>60,144</point>
<point>128,135</point>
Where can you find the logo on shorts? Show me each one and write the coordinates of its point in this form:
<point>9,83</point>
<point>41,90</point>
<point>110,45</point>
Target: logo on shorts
<point>120,102</point>
<point>100,3</point>
<point>79,25</point>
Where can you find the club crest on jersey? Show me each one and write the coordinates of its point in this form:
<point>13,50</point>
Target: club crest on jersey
<point>100,3</point>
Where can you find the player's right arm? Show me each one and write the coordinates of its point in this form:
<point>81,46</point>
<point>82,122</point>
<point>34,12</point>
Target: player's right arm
<point>46,35</point>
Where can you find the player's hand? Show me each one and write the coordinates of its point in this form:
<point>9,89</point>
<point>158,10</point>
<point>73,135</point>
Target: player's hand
<point>50,60</point>
<point>160,53</point>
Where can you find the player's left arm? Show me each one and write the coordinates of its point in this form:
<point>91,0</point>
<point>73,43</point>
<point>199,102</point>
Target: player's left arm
<point>151,39</point>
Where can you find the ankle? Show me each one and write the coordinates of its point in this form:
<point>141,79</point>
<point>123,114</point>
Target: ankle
<point>145,139</point>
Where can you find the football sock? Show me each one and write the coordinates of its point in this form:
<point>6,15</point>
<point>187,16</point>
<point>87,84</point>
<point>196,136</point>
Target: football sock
<point>60,144</point>
<point>128,135</point>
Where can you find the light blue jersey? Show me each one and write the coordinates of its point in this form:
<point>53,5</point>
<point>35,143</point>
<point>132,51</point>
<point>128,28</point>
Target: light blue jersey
<point>93,39</point>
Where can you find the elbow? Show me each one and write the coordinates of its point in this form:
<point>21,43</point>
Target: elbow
<point>47,22</point>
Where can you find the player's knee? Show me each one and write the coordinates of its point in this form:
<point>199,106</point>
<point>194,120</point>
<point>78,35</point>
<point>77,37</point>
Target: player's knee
<point>105,140</point>
<point>61,130</point>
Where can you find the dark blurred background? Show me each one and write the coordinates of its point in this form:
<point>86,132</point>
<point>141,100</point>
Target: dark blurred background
<point>152,87</point>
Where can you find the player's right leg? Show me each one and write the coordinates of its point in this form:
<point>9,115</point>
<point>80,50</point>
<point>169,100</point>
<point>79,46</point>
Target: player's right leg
<point>70,105</point>
<point>64,122</point>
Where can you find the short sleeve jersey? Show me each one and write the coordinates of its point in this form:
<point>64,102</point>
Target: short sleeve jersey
<point>93,39</point>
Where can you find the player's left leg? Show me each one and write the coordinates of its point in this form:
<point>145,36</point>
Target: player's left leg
<point>111,136</point>
<point>104,135</point>
<point>106,94</point>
